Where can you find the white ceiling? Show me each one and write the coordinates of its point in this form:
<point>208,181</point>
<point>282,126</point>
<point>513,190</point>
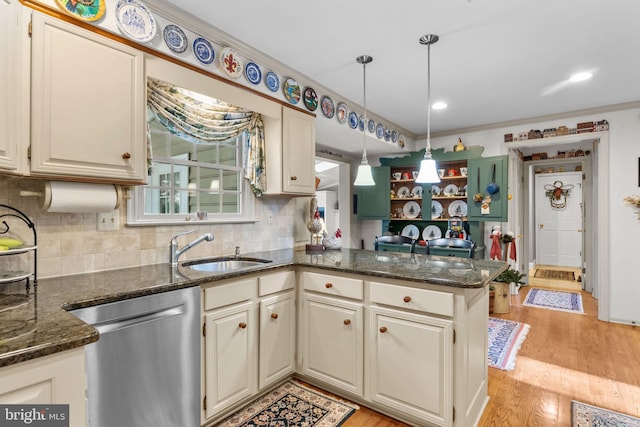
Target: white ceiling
<point>496,61</point>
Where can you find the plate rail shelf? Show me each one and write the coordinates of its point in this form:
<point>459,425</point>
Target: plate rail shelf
<point>14,276</point>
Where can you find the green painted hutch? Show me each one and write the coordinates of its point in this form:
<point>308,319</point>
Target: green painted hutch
<point>398,201</point>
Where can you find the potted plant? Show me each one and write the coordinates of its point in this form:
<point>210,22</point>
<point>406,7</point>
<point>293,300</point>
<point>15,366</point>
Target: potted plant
<point>501,284</point>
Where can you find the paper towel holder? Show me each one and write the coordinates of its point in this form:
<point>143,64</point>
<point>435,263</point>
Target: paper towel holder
<point>46,195</point>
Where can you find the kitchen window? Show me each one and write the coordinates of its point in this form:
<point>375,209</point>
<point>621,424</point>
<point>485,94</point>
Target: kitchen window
<point>197,172</point>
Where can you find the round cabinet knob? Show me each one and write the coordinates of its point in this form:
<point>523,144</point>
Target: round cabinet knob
<point>383,329</point>
<point>347,321</point>
<point>274,315</point>
<point>126,156</point>
<point>294,178</point>
<point>242,325</point>
<point>328,285</point>
<point>407,299</point>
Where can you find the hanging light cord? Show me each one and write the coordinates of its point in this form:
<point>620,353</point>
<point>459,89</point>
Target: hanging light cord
<point>365,59</point>
<point>427,153</point>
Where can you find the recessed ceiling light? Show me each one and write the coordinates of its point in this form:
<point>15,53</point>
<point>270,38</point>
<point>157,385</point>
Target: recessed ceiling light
<point>439,106</point>
<point>580,77</point>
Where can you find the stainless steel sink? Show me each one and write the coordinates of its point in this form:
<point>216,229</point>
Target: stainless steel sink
<point>222,265</point>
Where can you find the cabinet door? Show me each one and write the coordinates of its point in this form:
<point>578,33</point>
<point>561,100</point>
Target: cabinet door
<point>483,168</point>
<point>88,104</point>
<point>277,338</point>
<point>58,378</point>
<point>10,83</point>
<point>374,202</point>
<point>230,356</point>
<point>298,151</point>
<point>411,364</point>
<point>332,342</point>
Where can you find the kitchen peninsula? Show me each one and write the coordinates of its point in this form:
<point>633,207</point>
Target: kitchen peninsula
<point>441,301</point>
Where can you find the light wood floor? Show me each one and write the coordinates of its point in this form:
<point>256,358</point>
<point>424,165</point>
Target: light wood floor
<point>565,357</point>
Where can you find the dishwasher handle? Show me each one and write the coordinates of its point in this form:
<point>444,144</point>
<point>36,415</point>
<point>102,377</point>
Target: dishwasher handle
<point>125,322</point>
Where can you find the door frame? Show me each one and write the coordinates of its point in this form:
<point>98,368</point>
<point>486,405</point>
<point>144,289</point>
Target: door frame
<point>596,210</point>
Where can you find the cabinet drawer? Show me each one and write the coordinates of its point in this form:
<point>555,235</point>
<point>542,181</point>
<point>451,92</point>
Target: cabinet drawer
<point>276,283</point>
<point>333,285</point>
<point>412,298</point>
<point>230,293</point>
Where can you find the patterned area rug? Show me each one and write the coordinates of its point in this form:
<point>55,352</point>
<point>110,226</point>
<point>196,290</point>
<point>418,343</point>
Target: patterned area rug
<point>543,273</point>
<point>583,415</point>
<point>554,300</point>
<point>505,339</point>
<point>292,404</point>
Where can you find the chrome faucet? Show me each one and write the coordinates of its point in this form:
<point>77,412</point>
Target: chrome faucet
<point>173,246</point>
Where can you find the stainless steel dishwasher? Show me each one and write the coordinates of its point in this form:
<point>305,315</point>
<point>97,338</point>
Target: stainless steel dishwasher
<point>145,368</point>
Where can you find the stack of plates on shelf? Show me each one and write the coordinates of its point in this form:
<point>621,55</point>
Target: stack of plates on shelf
<point>411,231</point>
<point>411,210</point>
<point>457,208</point>
<point>451,190</point>
<point>436,209</point>
<point>431,232</point>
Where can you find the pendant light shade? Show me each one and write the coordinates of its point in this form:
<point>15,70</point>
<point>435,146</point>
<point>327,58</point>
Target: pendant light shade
<point>364,176</point>
<point>428,173</point>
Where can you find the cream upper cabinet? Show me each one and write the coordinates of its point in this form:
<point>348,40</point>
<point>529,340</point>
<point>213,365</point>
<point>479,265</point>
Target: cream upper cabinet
<point>11,84</point>
<point>298,152</point>
<point>87,104</point>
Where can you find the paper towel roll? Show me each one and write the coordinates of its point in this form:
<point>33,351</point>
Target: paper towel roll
<point>80,197</point>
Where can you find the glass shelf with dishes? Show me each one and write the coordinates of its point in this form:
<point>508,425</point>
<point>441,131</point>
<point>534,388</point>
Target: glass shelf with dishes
<point>405,194</point>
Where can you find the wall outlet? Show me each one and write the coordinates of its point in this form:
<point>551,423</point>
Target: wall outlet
<point>109,221</point>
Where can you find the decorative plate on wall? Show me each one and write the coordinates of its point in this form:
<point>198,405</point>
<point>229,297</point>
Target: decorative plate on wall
<point>203,50</point>
<point>328,109</point>
<point>371,126</point>
<point>361,124</point>
<point>394,136</point>
<point>380,131</point>
<point>436,209</point>
<point>387,135</point>
<point>411,210</point>
<point>431,232</point>
<point>401,140</point>
<point>410,231</point>
<point>272,81</point>
<point>353,120</point>
<point>342,112</point>
<point>87,10</point>
<point>135,21</point>
<point>231,63</point>
<point>175,38</point>
<point>291,90</point>
<point>252,73</point>
<point>310,98</point>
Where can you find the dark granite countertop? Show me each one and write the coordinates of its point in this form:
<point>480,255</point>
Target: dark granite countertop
<point>37,324</point>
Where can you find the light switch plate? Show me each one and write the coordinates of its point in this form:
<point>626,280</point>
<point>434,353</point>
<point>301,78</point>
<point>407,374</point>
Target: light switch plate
<point>108,221</point>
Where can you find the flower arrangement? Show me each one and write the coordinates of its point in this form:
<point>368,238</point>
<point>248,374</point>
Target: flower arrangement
<point>633,201</point>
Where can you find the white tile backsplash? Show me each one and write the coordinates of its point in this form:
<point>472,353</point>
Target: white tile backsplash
<point>68,243</point>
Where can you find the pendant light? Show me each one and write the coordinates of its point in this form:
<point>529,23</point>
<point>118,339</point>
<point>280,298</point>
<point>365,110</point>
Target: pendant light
<point>364,176</point>
<point>428,173</point>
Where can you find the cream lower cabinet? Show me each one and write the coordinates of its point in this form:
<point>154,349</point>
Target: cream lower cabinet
<point>248,339</point>
<point>410,364</point>
<point>230,344</point>
<point>277,338</point>
<point>331,332</point>
<point>56,379</point>
<point>87,104</point>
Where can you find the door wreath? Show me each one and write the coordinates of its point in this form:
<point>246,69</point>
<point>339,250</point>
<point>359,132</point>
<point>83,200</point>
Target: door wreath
<point>557,194</point>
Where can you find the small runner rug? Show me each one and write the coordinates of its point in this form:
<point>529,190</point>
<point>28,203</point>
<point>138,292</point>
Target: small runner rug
<point>292,404</point>
<point>505,339</point>
<point>554,300</point>
<point>543,273</point>
<point>583,415</point>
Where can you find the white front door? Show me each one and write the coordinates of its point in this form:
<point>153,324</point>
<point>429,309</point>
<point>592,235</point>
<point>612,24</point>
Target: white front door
<point>559,221</point>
